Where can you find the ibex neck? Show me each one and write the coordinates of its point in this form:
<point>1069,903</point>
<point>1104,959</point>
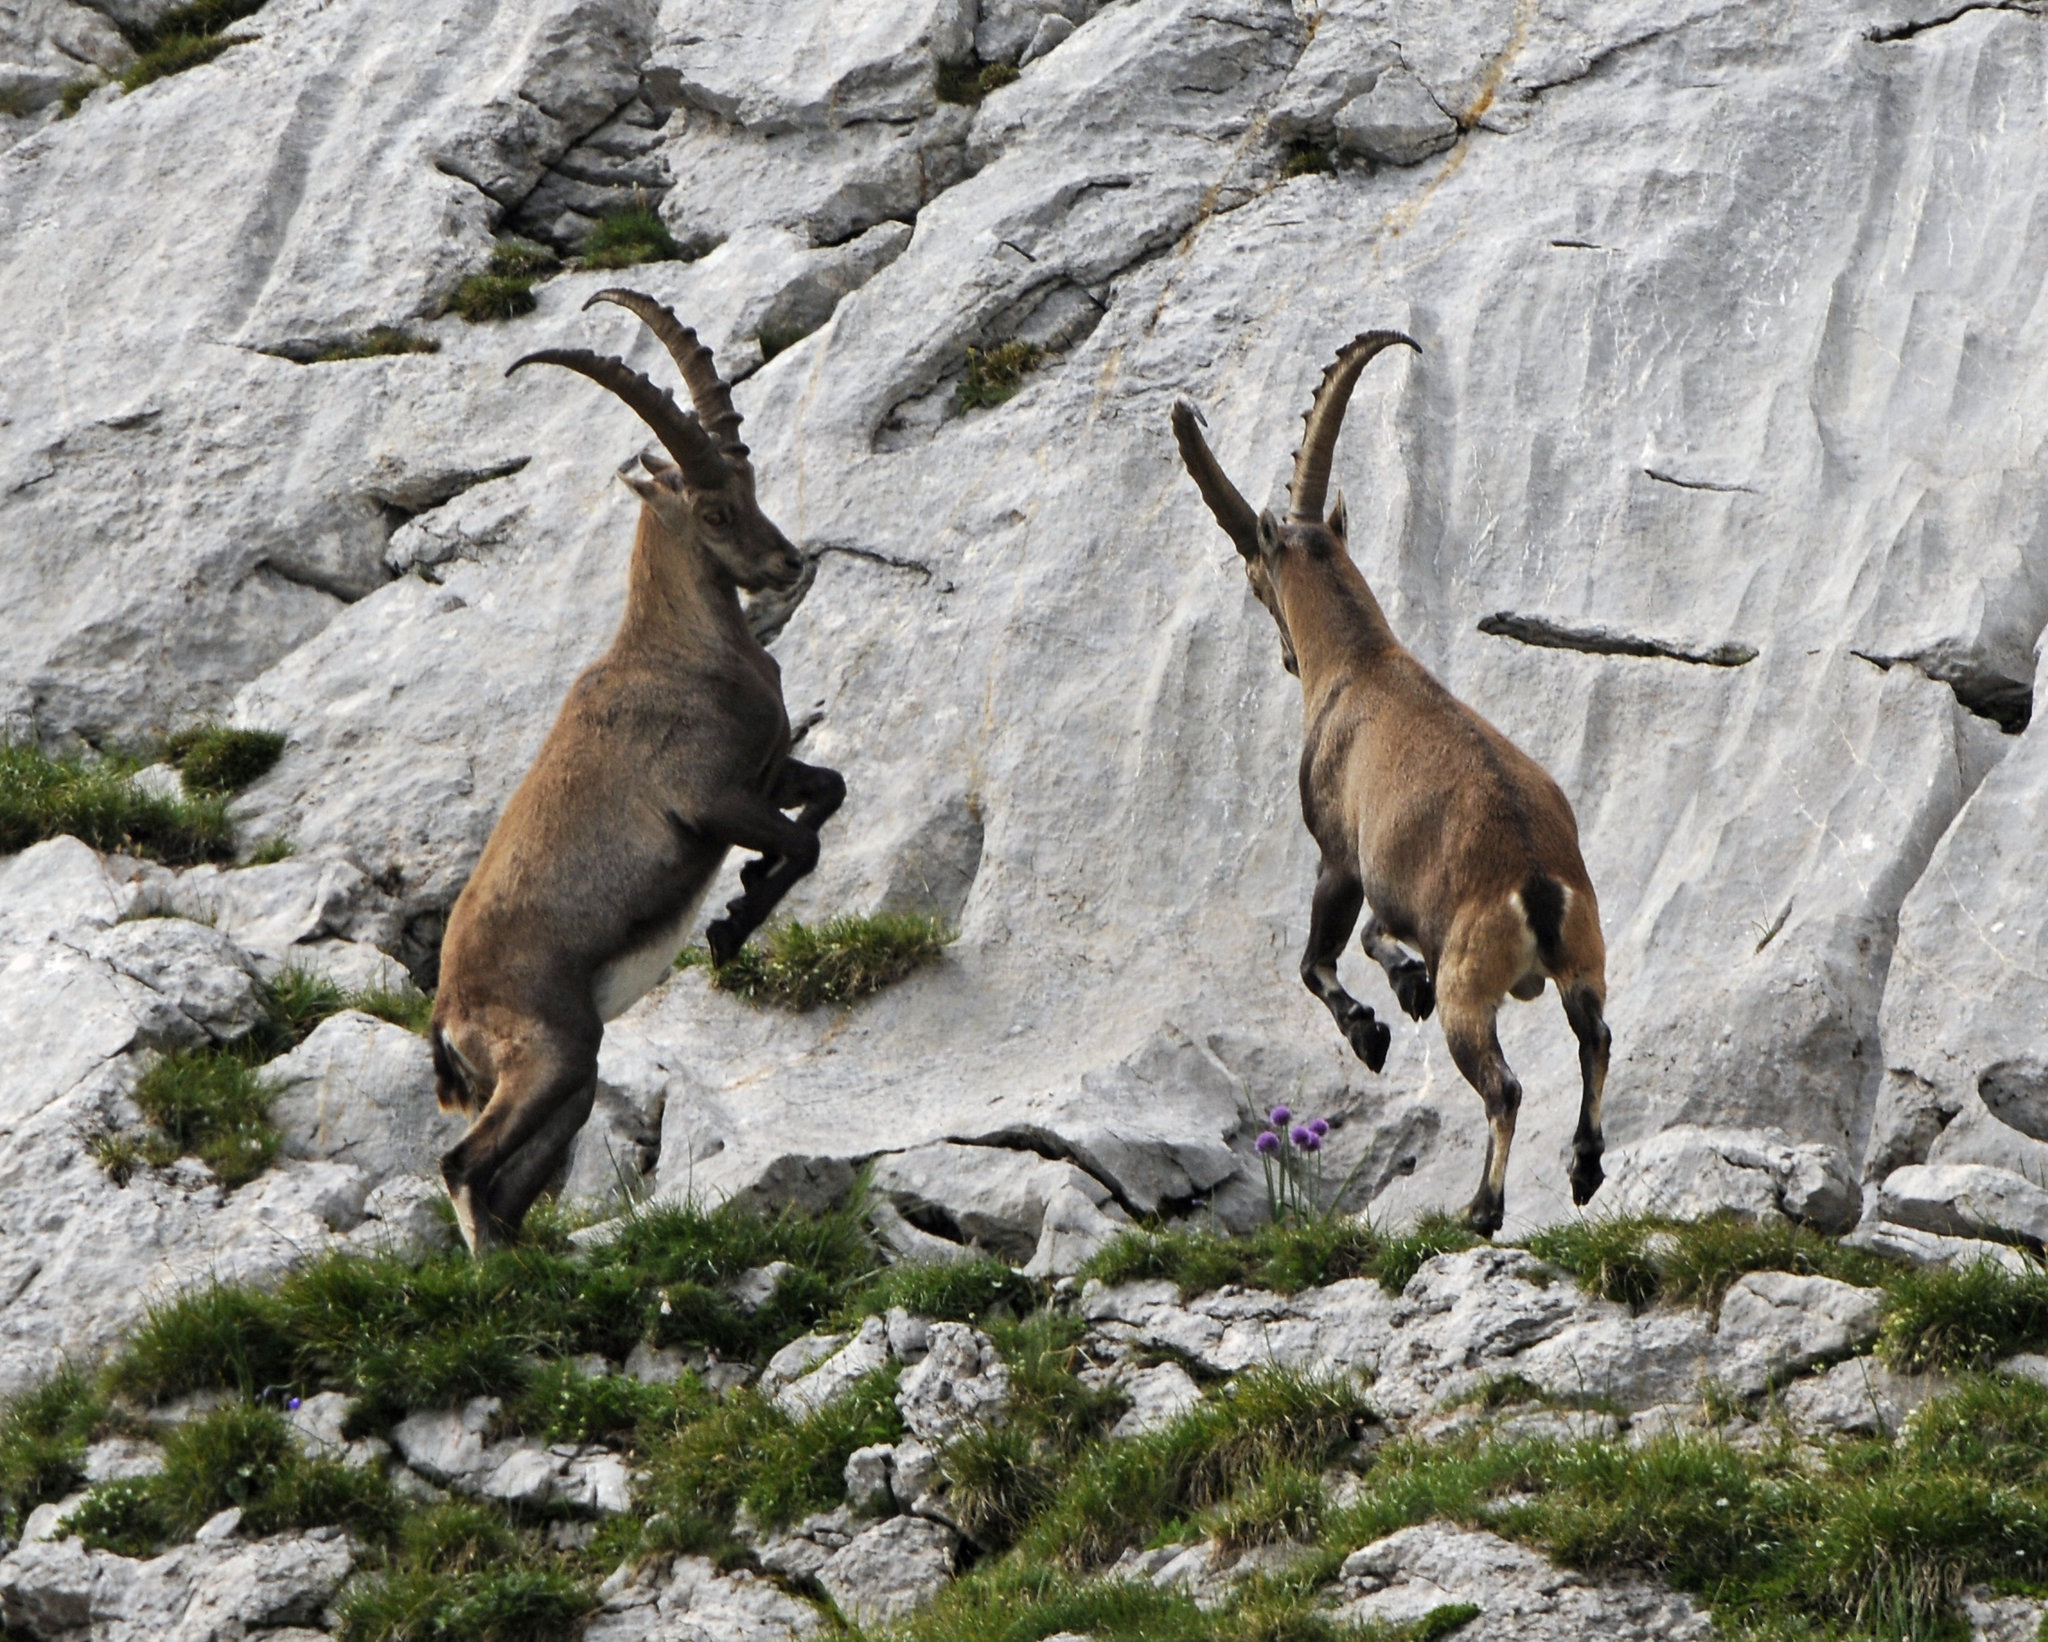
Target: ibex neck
<point>679,597</point>
<point>1332,617</point>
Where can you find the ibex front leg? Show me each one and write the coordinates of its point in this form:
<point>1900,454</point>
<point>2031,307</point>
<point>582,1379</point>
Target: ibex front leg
<point>787,849</point>
<point>1331,917</point>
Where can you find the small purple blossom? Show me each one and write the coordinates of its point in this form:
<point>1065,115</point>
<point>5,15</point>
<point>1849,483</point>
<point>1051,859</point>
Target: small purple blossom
<point>1280,1117</point>
<point>293,1405</point>
<point>1301,1135</point>
<point>1319,1127</point>
<point>1267,1144</point>
<point>1310,1141</point>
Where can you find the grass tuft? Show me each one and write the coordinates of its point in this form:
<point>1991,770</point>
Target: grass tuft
<point>1967,1319</point>
<point>958,1291</point>
<point>175,53</point>
<point>269,851</point>
<point>628,238</point>
<point>44,797</point>
<point>209,1105</point>
<point>775,339</point>
<point>212,758</point>
<point>1308,158</point>
<point>43,1434</point>
<point>1639,1259</point>
<point>484,297</point>
<point>1286,1256</point>
<point>996,374</point>
<point>994,76</point>
<point>959,82</point>
<point>71,98</point>
<point>379,342</point>
<point>496,1604</point>
<point>839,961</point>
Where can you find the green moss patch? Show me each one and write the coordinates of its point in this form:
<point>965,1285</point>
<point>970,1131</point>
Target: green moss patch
<point>627,238</point>
<point>1302,1253</point>
<point>996,374</point>
<point>184,37</point>
<point>1640,1259</point>
<point>799,966</point>
<point>379,342</point>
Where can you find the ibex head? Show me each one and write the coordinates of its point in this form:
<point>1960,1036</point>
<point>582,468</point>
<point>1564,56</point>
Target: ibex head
<point>706,493</point>
<point>1263,540</point>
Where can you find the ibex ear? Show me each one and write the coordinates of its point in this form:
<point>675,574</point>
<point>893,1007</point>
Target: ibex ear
<point>1269,533</point>
<point>1338,521</point>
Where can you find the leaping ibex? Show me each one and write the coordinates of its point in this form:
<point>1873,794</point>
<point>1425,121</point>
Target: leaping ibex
<point>671,748</point>
<point>1463,848</point>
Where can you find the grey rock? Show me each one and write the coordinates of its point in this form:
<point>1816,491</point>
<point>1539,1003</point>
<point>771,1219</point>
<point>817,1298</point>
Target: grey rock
<point>1859,1397</point>
<point>354,966</point>
<point>2027,1365</point>
<point>1774,1324</point>
<point>657,1365</point>
<point>909,1337</point>
<point>890,1570</point>
<point>835,1375</point>
<point>1004,30</point>
<point>2001,1618</point>
<point>689,1600</point>
<point>1396,121</point>
<point>613,1154</point>
<point>117,1459</point>
<point>997,1197</point>
<point>360,1090</point>
<point>959,1383</point>
<point>199,970</point>
<point>1521,1596</point>
<point>1205,1570</point>
<point>756,1286</point>
<point>915,1480</point>
<point>799,1551</point>
<point>1158,1395</point>
<point>798,1358</point>
<point>867,1478</point>
<point>1051,32</point>
<point>211,1590</point>
<point>1923,1248</point>
<point>448,1446</point>
<point>1690,1173</point>
<point>405,1214</point>
<point>1964,1200</point>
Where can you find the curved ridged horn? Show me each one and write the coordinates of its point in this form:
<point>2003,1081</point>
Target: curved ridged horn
<point>708,392</point>
<point>1232,511</point>
<point>1326,416</point>
<point>679,433</point>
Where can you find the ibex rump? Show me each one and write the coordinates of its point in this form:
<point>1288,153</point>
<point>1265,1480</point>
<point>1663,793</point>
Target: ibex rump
<point>1458,842</point>
<point>671,749</point>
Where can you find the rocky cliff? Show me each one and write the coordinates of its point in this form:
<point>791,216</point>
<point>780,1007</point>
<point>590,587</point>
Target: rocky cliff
<point>1717,484</point>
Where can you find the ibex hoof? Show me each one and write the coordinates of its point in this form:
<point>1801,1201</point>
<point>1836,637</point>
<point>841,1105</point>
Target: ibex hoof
<point>1587,1178</point>
<point>1414,991</point>
<point>754,872</point>
<point>1485,1214</point>
<point>724,939</point>
<point>1370,1039</point>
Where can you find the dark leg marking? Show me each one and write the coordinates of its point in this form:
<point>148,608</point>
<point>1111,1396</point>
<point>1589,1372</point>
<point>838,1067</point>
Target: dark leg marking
<point>788,849</point>
<point>1406,973</point>
<point>1332,913</point>
<point>534,1097</point>
<point>1589,1024</point>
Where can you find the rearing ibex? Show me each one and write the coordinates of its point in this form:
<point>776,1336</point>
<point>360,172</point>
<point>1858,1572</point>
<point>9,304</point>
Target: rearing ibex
<point>1458,842</point>
<point>671,748</point>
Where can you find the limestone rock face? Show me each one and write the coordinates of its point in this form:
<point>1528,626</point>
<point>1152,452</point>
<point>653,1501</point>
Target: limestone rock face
<point>1722,453</point>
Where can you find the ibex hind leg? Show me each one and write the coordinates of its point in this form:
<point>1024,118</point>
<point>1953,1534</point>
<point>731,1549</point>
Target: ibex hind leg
<point>1332,914</point>
<point>1475,1049</point>
<point>540,1086</point>
<point>1407,974</point>
<point>1583,1008</point>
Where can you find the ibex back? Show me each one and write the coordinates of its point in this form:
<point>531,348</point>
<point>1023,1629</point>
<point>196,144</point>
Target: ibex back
<point>1458,842</point>
<point>671,749</point>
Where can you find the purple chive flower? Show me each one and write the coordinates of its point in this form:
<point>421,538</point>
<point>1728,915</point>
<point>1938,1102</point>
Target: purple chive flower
<point>1267,1144</point>
<point>1280,1117</point>
<point>1319,1127</point>
<point>1300,1135</point>
<point>1310,1141</point>
<point>293,1405</point>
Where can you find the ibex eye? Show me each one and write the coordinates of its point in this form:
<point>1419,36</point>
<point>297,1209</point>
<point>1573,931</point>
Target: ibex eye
<point>718,518</point>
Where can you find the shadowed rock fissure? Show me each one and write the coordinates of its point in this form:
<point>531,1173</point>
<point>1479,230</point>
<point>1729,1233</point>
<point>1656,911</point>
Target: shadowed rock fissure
<point>1883,36</point>
<point>1605,641</point>
<point>2007,702</point>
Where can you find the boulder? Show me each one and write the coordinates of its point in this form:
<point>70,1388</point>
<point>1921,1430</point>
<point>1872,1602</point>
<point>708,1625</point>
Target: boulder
<point>998,1199</point>
<point>199,970</point>
<point>1859,1397</point>
<point>836,1374</point>
<point>1690,1173</point>
<point>689,1600</point>
<point>1924,1248</point>
<point>890,1570</point>
<point>1964,1200</point>
<point>361,1091</point>
<point>1774,1324</point>
<point>959,1383</point>
<point>1521,1597</point>
<point>1158,1395</point>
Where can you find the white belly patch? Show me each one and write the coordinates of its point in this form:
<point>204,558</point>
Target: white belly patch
<point>632,975</point>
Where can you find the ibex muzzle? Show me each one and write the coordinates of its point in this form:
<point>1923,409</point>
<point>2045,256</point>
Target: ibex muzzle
<point>671,749</point>
<point>1462,847</point>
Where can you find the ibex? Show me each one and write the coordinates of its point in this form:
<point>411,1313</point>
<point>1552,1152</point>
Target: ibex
<point>1463,848</point>
<point>671,748</point>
